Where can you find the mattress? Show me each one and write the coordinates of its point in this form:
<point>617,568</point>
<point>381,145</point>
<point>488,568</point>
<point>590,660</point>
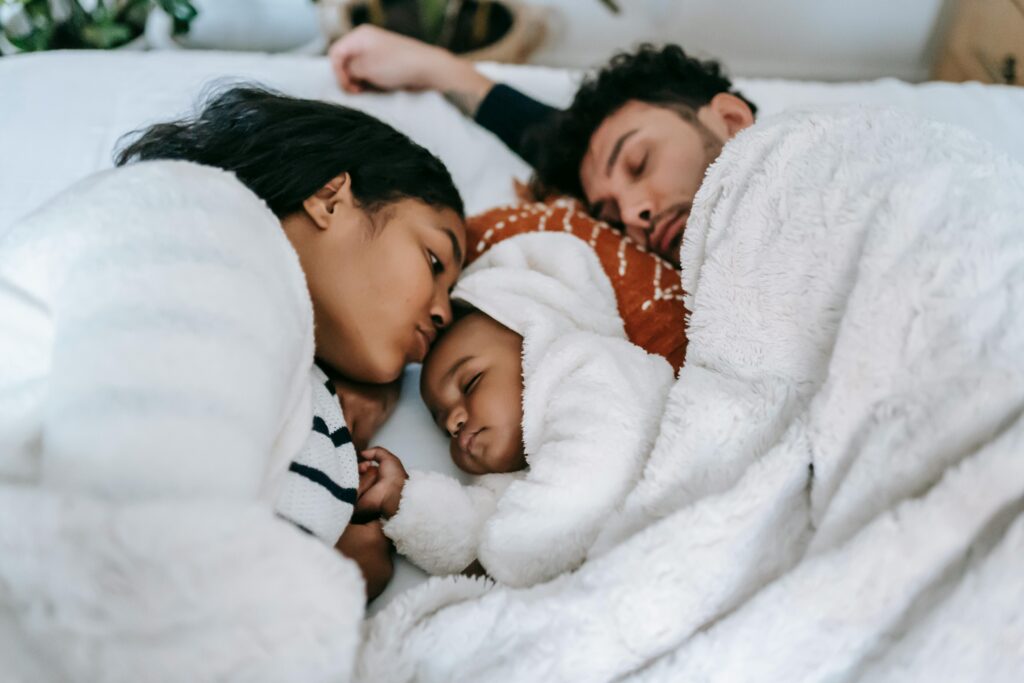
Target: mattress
<point>62,114</point>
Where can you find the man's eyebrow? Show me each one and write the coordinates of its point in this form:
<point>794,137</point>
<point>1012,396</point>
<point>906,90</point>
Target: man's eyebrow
<point>456,249</point>
<point>616,149</point>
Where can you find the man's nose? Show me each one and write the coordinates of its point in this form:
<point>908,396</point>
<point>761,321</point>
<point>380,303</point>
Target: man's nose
<point>638,225</point>
<point>637,214</point>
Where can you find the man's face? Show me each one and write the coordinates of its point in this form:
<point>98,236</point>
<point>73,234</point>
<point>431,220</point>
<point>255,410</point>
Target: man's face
<point>645,163</point>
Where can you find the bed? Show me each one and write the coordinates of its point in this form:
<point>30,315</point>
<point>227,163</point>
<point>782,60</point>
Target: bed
<point>62,113</point>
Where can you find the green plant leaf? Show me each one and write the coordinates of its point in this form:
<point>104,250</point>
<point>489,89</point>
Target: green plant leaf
<point>110,34</point>
<point>179,10</point>
<point>612,6</point>
<point>36,30</point>
<point>432,18</point>
<point>33,41</point>
<point>135,13</point>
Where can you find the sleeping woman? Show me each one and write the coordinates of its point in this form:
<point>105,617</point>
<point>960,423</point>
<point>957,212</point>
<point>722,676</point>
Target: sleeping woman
<point>165,333</point>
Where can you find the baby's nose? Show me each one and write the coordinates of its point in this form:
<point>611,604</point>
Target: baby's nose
<point>455,425</point>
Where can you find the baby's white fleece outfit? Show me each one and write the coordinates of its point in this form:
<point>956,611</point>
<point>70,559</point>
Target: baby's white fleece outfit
<point>592,402</point>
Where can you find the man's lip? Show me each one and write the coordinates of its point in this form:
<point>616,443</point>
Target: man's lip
<point>671,231</point>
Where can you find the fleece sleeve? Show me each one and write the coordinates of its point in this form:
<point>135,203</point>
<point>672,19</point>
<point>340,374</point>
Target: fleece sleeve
<point>180,331</point>
<point>593,406</point>
<point>440,520</point>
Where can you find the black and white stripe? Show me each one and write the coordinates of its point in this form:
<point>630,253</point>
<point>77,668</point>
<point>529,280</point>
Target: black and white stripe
<point>319,491</point>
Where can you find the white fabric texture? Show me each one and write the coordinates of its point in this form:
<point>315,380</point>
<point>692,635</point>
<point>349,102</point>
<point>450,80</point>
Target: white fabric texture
<point>157,338</point>
<point>836,489</point>
<point>75,105</point>
<point>72,106</point>
<point>591,405</point>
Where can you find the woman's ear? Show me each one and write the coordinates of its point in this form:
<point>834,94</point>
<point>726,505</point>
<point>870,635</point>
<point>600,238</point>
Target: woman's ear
<point>734,113</point>
<point>336,194</point>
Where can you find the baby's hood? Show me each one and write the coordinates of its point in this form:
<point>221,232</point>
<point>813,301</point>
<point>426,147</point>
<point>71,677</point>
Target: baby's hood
<point>541,286</point>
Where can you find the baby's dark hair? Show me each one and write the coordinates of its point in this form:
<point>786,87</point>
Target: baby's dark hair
<point>664,76</point>
<point>285,148</point>
<point>461,309</point>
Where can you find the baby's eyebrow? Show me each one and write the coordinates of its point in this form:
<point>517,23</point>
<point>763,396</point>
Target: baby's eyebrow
<point>455,368</point>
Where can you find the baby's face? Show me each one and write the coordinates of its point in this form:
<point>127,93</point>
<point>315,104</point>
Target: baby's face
<point>472,382</point>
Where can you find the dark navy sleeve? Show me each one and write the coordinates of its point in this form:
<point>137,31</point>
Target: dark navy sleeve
<point>510,115</point>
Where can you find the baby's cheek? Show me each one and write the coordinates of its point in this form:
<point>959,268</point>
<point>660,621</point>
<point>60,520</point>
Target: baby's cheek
<point>513,457</point>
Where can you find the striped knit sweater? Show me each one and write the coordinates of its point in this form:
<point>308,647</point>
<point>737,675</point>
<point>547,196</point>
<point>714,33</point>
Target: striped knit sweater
<point>319,490</point>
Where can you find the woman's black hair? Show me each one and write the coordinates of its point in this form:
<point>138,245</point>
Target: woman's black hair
<point>664,76</point>
<point>285,149</point>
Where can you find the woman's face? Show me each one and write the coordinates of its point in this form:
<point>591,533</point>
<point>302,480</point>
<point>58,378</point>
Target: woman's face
<point>379,279</point>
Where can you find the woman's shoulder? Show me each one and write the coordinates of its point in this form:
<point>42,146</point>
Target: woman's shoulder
<point>158,217</point>
<point>154,200</point>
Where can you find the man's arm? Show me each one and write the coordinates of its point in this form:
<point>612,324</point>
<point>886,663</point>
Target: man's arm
<point>371,58</point>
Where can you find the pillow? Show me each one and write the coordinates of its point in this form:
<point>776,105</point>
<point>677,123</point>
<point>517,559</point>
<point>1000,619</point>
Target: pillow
<point>648,290</point>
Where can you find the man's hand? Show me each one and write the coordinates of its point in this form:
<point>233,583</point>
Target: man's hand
<point>381,480</point>
<point>372,58</point>
<point>366,407</point>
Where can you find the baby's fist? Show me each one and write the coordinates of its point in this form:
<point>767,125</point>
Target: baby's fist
<point>380,494</point>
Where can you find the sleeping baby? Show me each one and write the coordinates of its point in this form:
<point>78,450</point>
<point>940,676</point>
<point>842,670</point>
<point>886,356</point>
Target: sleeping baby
<point>544,401</point>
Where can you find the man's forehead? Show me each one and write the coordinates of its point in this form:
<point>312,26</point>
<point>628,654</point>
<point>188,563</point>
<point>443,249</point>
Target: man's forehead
<point>602,143</point>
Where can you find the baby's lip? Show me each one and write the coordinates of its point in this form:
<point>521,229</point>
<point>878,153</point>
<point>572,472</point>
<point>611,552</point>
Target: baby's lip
<point>466,439</point>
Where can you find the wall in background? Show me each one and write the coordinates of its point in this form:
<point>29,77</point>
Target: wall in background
<point>823,39</point>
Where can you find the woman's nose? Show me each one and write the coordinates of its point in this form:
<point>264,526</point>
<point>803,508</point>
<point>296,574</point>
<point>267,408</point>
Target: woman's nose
<point>441,310</point>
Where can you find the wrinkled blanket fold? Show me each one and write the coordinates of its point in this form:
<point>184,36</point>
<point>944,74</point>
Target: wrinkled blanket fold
<point>156,346</point>
<point>836,487</point>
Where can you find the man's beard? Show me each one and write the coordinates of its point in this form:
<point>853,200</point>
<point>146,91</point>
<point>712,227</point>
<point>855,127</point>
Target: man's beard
<point>712,148</point>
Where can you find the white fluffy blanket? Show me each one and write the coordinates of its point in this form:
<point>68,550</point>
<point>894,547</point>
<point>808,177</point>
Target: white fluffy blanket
<point>837,486</point>
<point>156,341</point>
<point>591,406</point>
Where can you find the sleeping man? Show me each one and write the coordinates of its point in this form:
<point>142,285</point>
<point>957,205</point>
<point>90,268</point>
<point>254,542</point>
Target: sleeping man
<point>633,146</point>
<point>544,400</point>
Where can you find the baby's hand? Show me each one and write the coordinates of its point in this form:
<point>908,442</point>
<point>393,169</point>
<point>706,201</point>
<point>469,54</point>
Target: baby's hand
<point>381,480</point>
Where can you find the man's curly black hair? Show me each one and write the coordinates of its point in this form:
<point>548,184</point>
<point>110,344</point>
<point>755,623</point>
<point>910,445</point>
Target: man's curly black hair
<point>661,76</point>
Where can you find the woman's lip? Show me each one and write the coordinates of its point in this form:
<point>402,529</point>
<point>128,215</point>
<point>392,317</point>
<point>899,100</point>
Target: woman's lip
<point>424,346</point>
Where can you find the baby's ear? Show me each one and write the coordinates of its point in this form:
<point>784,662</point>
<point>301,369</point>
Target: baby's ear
<point>322,205</point>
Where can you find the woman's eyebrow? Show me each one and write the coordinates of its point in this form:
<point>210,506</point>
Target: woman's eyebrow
<point>456,249</point>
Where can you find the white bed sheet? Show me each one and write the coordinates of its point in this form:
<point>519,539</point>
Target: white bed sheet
<point>61,114</point>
